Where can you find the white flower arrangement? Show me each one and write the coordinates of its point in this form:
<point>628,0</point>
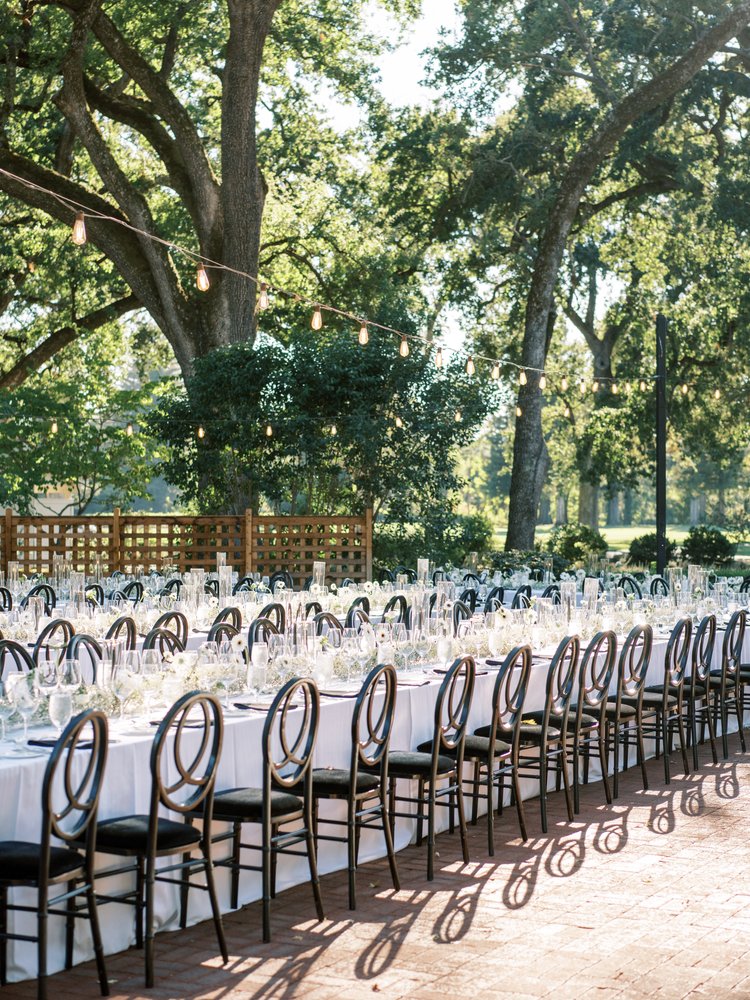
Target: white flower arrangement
<point>238,643</point>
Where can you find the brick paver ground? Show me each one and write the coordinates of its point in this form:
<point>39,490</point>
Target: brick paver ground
<point>649,897</point>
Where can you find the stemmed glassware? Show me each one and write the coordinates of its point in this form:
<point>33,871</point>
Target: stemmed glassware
<point>23,694</point>
<point>7,709</point>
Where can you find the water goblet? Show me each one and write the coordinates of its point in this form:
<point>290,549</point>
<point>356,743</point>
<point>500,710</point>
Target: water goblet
<point>60,709</point>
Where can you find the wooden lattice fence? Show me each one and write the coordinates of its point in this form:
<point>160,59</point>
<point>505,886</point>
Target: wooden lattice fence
<point>251,542</point>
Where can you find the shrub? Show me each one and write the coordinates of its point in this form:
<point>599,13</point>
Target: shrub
<point>707,546</point>
<point>448,538</point>
<point>574,541</point>
<point>536,561</point>
<point>642,550</point>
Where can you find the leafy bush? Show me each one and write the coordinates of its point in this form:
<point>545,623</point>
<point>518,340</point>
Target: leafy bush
<point>574,541</point>
<point>642,550</point>
<point>448,538</point>
<point>536,561</point>
<point>707,546</point>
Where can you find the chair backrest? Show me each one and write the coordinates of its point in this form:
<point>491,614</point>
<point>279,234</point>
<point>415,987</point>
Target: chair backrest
<point>164,641</point>
<point>211,587</point>
<point>55,635</point>
<point>175,622</point>
<point>133,591</point>
<point>745,585</point>
<point>702,654</point>
<point>452,708</point>
<point>88,652</point>
<point>439,574</point>
<point>522,597</point>
<point>459,613</point>
<point>221,631</point>
<point>595,674</point>
<point>633,662</point>
<point>385,576</point>
<point>95,593</point>
<point>289,734</point>
<point>18,655</point>
<point>676,656</point>
<point>361,605</point>
<point>70,796</point>
<point>281,576</point>
<point>183,776</point>
<point>552,591</point>
<point>509,694</point>
<point>658,586</point>
<point>469,597</point>
<point>124,627</point>
<point>246,583</point>
<point>276,613</point>
<point>171,587</point>
<point>731,648</point>
<point>259,631</point>
<point>315,606</point>
<point>471,578</point>
<point>372,720</point>
<point>561,676</point>
<point>494,600</point>
<point>6,599</point>
<point>410,574</point>
<point>629,585</point>
<point>231,615</point>
<point>324,620</point>
<point>43,590</point>
<point>398,601</point>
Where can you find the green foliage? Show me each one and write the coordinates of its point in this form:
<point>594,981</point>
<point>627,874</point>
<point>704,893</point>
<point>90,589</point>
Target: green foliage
<point>642,550</point>
<point>575,542</point>
<point>707,546</point>
<point>509,561</point>
<point>395,428</point>
<point>446,540</point>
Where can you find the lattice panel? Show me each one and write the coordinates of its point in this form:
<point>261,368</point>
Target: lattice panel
<point>35,540</point>
<point>295,543</point>
<point>183,542</point>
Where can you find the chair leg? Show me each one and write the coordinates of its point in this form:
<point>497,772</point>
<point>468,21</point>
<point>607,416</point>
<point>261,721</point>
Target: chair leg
<point>641,749</point>
<point>430,832</point>
<point>184,890</point>
<point>96,936</point>
<point>603,761</point>
<point>664,720</point>
<point>563,766</point>
<point>392,806</point>
<point>70,926</point>
<point>42,943</point>
<point>462,820</point>
<point>576,776</point>
<point>693,732</point>
<point>491,807</point>
<point>475,792</point>
<point>543,786</point>
<point>724,723</point>
<point>149,935</point>
<point>4,941</point>
<point>235,888</point>
<point>738,711</point>
<point>312,863</point>
<point>389,841</point>
<point>274,863</point>
<point>711,730</point>
<point>140,906</point>
<point>616,767</point>
<point>420,797</point>
<point>266,852</point>
<point>208,866</point>
<point>683,740</point>
<point>351,848</point>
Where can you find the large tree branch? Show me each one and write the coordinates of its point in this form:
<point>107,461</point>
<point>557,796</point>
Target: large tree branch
<point>42,353</point>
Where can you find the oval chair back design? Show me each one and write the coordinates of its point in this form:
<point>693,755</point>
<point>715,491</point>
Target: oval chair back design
<point>276,613</point>
<point>231,615</point>
<point>175,622</point>
<point>18,655</point>
<point>372,720</point>
<point>88,652</point>
<point>633,663</point>
<point>288,745</point>
<point>325,621</point>
<point>56,634</point>
<point>658,586</point>
<point>452,709</point>
<point>702,654</point>
<point>678,650</point>
<point>259,631</point>
<point>731,648</point>
<point>397,601</point>
<point>595,675</point>
<point>561,678</point>
<point>460,613</point>
<point>164,641</point>
<point>509,695</point>
<point>124,627</point>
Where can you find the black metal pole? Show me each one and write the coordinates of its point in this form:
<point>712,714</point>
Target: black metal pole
<point>661,443</point>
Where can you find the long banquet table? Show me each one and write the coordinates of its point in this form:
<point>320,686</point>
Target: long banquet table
<point>127,785</point>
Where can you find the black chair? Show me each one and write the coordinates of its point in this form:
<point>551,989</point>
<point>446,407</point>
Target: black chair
<point>521,598</point>
<point>276,613</point>
<point>470,597</point>
<point>171,588</point>
<point>244,584</point>
<point>471,578</point>
<point>313,606</point>
<point>54,636</point>
<point>95,594</point>
<point>176,622</point>
<point>396,603</point>
<point>287,771</point>
<point>630,586</point>
<point>745,585</point>
<point>164,641</point>
<point>211,587</point>
<point>281,576</point>
<point>133,591</point>
<point>552,591</point>
<point>460,612</point>
<point>494,600</point>
<point>364,785</point>
<point>728,680</point>
<point>658,587</point>
<point>70,800</point>
<point>545,732</point>
<point>6,599</point>
<point>184,785</point>
<point>46,592</point>
<point>88,652</point>
<point>384,576</point>
<point>361,604</point>
<point>259,631</point>
<point>665,701</point>
<point>699,692</point>
<point>221,631</point>
<point>410,574</point>
<point>437,764</point>
<point>231,615</point>
<point>625,712</point>
<point>494,749</point>
<point>439,574</point>
<point>124,627</point>
<point>18,655</point>
<point>325,621</point>
<point>588,720</point>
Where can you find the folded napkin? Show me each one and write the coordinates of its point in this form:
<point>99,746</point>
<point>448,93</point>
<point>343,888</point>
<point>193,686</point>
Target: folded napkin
<point>51,741</point>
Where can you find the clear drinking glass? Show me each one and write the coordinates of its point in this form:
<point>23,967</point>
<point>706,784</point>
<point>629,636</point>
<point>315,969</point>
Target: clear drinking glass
<point>60,709</point>
<point>24,697</point>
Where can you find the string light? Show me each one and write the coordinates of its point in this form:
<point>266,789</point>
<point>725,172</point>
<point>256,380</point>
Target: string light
<point>439,357</point>
<point>684,389</point>
<point>129,430</point>
<point>564,384</point>
<point>364,335</point>
<point>717,393</point>
<point>201,432</point>
<point>522,380</point>
<point>495,373</point>
<point>53,427</point>
<point>399,422</point>
<point>567,411</point>
<point>628,388</point>
<point>542,381</point>
<point>470,366</point>
<point>269,431</point>
<point>201,278</point>
<point>263,300</point>
<point>403,348</point>
<point>642,386</point>
<point>595,386</point>
<point>458,416</point>
<point>519,411</point>
<point>583,387</point>
<point>317,319</point>
<point>334,430</point>
<point>615,389</point>
<point>79,230</point>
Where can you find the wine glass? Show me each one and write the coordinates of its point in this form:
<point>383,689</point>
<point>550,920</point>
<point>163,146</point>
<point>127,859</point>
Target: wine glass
<point>258,666</point>
<point>60,709</point>
<point>7,709</point>
<point>69,676</point>
<point>24,696</point>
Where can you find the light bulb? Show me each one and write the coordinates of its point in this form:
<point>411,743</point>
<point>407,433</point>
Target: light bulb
<point>522,380</point>
<point>583,387</point>
<point>495,373</point>
<point>317,319</point>
<point>269,431</point>
<point>79,230</point>
<point>364,334</point>
<point>458,416</point>
<point>403,349</point>
<point>439,357</point>
<point>595,386</point>
<point>470,366</point>
<point>201,432</point>
<point>628,387</point>
<point>542,381</point>
<point>31,265</point>
<point>53,427</point>
<point>567,411</point>
<point>201,278</point>
<point>263,300</point>
<point>717,394</point>
<point>615,389</point>
<point>642,386</point>
<point>334,430</point>
<point>564,384</point>
<point>129,430</point>
<point>684,389</point>
<point>399,422</point>
<point>519,411</point>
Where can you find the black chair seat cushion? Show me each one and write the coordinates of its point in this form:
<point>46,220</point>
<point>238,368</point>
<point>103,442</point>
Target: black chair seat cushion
<point>653,698</point>
<point>531,728</point>
<point>714,679</point>
<point>626,711</point>
<point>336,781</point>
<point>475,746</point>
<point>19,861</point>
<point>130,833</point>
<point>247,804</point>
<point>587,721</point>
<point>404,763</point>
